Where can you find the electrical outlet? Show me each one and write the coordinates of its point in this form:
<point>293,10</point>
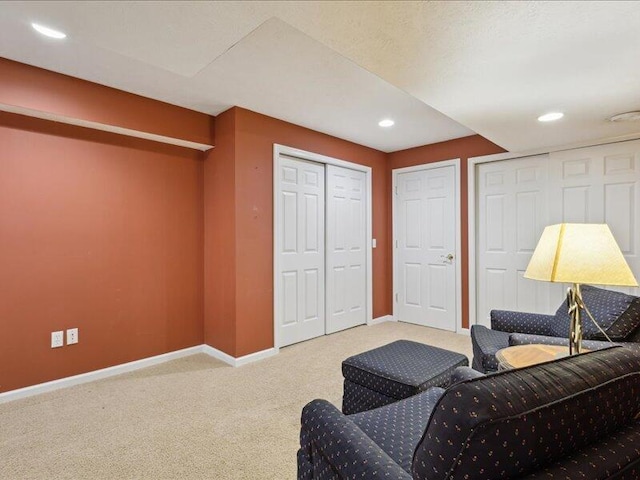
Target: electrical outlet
<point>72,336</point>
<point>57,339</point>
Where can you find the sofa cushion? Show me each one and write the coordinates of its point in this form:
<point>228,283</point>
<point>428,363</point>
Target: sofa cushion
<point>398,427</point>
<point>526,339</point>
<point>514,422</point>
<point>402,368</point>
<point>618,314</point>
<point>623,446</point>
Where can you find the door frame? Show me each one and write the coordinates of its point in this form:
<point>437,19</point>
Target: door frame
<point>296,153</point>
<point>455,163</point>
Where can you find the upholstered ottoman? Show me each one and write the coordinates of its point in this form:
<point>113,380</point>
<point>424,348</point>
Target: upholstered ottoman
<point>395,371</point>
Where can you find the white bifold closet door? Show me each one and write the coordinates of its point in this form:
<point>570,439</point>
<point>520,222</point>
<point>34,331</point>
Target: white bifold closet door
<point>517,198</point>
<point>346,248</point>
<point>301,311</point>
<point>321,243</point>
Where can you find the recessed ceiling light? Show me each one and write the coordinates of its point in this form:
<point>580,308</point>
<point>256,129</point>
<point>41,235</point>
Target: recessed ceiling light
<point>49,32</point>
<point>626,117</point>
<point>387,122</point>
<point>550,117</point>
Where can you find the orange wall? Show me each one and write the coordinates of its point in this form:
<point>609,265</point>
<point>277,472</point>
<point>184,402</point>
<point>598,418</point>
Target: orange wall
<point>97,231</point>
<point>38,89</point>
<point>142,246</point>
<point>462,148</point>
<point>252,157</point>
<point>220,238</point>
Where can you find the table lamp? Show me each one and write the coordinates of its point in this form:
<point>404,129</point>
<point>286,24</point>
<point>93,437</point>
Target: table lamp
<point>579,253</point>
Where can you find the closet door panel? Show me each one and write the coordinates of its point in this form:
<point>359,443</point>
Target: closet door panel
<point>301,276</point>
<point>346,249</point>
<point>512,211</point>
<point>609,182</point>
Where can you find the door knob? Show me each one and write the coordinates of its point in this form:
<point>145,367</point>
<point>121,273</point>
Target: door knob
<point>447,258</point>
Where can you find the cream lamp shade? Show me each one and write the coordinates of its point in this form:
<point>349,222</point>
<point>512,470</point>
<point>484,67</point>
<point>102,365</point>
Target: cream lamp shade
<point>579,253</point>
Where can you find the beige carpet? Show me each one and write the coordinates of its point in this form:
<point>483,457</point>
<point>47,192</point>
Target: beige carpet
<point>192,418</point>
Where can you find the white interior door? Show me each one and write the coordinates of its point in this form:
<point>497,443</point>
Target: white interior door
<point>346,248</point>
<point>425,229</point>
<point>512,199</point>
<point>300,281</point>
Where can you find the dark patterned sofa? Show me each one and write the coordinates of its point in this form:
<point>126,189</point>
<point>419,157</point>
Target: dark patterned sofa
<point>573,418</point>
<point>618,314</point>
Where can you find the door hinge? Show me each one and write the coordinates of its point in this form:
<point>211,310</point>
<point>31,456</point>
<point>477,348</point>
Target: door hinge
<point>396,298</point>
<point>396,243</point>
<point>396,189</point>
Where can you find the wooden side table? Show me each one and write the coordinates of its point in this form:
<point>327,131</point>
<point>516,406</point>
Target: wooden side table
<point>524,355</point>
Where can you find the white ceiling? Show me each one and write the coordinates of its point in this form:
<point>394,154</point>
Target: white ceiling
<point>339,67</point>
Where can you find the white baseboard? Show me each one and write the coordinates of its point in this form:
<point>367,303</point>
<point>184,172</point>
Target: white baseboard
<point>96,374</point>
<point>464,331</point>
<point>238,361</point>
<point>253,357</point>
<point>384,318</point>
<point>219,355</point>
<point>130,367</point>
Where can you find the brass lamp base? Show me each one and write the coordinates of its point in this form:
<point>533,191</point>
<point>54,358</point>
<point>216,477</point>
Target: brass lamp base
<point>575,303</point>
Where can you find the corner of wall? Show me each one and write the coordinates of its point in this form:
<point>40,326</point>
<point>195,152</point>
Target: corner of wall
<point>220,238</point>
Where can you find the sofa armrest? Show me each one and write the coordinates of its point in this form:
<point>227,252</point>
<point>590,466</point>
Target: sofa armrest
<point>527,339</point>
<point>521,322</point>
<point>461,374</point>
<point>344,446</point>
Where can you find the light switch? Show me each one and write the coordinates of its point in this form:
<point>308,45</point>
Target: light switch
<point>373,243</point>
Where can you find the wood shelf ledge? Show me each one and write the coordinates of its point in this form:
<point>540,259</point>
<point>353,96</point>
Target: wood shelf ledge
<point>203,147</point>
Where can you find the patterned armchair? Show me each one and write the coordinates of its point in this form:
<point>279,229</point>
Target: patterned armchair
<point>576,417</point>
<point>617,314</point>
